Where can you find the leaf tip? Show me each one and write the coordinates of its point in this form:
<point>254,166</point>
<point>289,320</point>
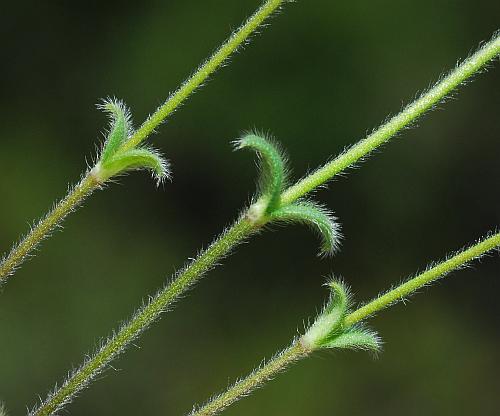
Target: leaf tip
<point>273,171</point>
<point>318,218</point>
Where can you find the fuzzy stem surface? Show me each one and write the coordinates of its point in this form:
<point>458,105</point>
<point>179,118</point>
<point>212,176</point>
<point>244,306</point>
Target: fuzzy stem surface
<point>260,376</point>
<point>204,71</point>
<point>145,317</point>
<point>423,279</point>
<point>46,225</point>
<point>19,252</point>
<point>406,117</point>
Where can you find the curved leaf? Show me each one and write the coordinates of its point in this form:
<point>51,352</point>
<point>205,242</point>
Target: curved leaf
<point>120,126</point>
<point>329,322</point>
<point>329,331</point>
<point>315,216</point>
<point>272,166</point>
<point>356,337</point>
<point>142,158</point>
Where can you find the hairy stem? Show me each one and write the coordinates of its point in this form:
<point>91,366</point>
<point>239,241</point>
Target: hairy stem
<point>204,71</point>
<point>409,114</point>
<point>145,316</point>
<point>88,184</point>
<point>298,350</point>
<point>430,275</point>
<point>259,377</point>
<point>46,225</point>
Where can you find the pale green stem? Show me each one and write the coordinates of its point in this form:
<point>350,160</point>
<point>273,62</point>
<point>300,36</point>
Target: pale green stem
<point>19,252</point>
<point>409,114</point>
<point>145,316</point>
<point>46,225</point>
<point>203,72</point>
<point>436,272</point>
<point>298,350</point>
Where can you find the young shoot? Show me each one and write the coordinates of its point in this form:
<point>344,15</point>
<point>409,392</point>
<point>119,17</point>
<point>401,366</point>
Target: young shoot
<point>273,178</point>
<point>114,160</point>
<point>329,329</point>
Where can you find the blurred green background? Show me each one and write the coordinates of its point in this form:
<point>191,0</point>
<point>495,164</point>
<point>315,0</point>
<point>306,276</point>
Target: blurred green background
<point>319,78</point>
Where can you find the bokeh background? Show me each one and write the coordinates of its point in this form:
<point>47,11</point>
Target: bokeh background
<point>319,78</point>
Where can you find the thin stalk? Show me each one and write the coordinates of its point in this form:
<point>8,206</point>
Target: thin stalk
<point>298,351</point>
<point>430,275</point>
<point>46,225</point>
<point>410,113</point>
<point>145,317</point>
<point>239,231</point>
<point>204,71</point>
<point>19,252</point>
<point>259,377</point>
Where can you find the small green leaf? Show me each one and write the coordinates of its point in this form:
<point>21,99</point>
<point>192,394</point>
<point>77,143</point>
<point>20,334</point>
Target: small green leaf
<point>355,337</point>
<point>272,166</point>
<point>329,322</point>
<point>120,126</point>
<point>142,158</point>
<point>317,217</point>
<point>329,331</point>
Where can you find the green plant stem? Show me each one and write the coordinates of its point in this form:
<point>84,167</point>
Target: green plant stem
<point>19,252</point>
<point>145,316</point>
<point>204,71</point>
<point>440,270</point>
<point>409,114</point>
<point>256,379</point>
<point>298,351</point>
<point>206,260</point>
<point>46,225</point>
